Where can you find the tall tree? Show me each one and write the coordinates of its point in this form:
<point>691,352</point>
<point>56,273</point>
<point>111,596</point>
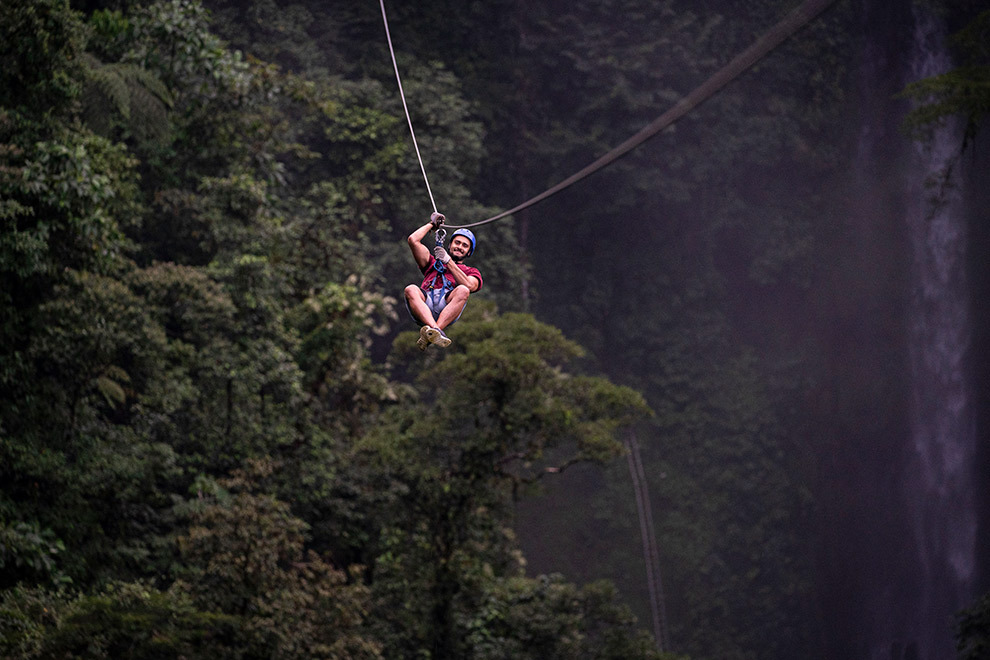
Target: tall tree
<point>489,423</point>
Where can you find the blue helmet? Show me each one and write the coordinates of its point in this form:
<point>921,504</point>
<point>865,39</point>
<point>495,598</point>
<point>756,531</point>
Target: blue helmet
<point>467,233</point>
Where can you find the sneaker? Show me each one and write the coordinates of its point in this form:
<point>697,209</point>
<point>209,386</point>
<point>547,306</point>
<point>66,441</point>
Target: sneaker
<point>436,336</point>
<point>424,339</point>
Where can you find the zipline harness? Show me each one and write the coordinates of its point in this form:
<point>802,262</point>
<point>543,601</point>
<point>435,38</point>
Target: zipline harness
<point>739,64</point>
<point>439,269</point>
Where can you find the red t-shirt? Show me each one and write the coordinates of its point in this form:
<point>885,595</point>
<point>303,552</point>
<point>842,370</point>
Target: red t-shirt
<point>431,281</point>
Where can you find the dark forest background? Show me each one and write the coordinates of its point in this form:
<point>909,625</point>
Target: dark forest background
<point>217,439</point>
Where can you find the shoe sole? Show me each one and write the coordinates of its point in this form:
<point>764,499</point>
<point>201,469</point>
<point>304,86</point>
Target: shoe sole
<point>423,340</point>
<point>436,337</point>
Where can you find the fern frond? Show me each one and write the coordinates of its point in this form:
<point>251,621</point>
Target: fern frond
<point>111,391</point>
<point>109,385</point>
<point>128,91</point>
<point>152,84</point>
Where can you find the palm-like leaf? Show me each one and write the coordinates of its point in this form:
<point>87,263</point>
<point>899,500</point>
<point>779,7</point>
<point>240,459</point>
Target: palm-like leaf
<point>127,92</point>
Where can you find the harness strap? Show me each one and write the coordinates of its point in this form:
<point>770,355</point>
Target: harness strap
<point>438,267</point>
<point>439,270</point>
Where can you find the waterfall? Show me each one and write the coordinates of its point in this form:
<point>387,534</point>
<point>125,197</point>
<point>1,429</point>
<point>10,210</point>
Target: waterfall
<point>939,480</point>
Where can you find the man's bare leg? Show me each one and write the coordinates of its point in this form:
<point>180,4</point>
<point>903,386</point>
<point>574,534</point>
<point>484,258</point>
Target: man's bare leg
<point>417,305</point>
<point>456,300</point>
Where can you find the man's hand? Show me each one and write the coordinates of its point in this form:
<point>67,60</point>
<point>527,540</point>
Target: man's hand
<point>441,255</point>
<point>436,220</point>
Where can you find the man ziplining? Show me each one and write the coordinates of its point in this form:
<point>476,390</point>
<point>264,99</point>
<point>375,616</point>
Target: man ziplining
<point>438,301</point>
<point>759,49</point>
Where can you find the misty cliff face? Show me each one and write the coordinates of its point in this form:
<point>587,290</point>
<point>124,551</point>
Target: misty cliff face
<point>892,420</point>
<point>940,479</point>
<point>902,531</point>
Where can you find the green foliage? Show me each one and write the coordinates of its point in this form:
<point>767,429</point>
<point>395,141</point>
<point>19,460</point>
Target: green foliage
<point>70,458</point>
<point>127,91</point>
<point>173,37</point>
<point>110,33</point>
<point>40,41</point>
<point>502,396</point>
<point>973,630</point>
<point>369,511</point>
<point>336,365</point>
<point>294,36</point>
<point>962,92</point>
<point>244,557</point>
<point>225,122</point>
<point>671,264</point>
<point>26,615</point>
<point>132,620</point>
<point>521,401</point>
<point>29,551</point>
<point>65,201</point>
<point>506,387</point>
<point>229,389</point>
<point>550,618</point>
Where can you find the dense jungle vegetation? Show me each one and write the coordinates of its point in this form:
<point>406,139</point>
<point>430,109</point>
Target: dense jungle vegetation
<point>217,439</point>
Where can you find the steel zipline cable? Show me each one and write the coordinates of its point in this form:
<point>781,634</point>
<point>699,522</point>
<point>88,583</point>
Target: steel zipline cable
<point>759,49</point>
<point>395,65</point>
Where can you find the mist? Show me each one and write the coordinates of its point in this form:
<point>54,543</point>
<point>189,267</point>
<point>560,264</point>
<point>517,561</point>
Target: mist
<point>727,397</point>
<point>887,334</point>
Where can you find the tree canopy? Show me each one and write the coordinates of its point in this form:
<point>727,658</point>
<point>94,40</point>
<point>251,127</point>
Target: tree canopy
<point>216,437</point>
<point>203,451</point>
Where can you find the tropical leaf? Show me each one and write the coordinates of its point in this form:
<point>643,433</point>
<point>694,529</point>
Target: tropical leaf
<point>109,385</point>
<point>128,91</point>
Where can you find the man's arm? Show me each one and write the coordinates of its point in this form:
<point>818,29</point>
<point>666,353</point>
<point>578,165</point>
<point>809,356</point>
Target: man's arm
<point>470,281</point>
<point>420,252</point>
